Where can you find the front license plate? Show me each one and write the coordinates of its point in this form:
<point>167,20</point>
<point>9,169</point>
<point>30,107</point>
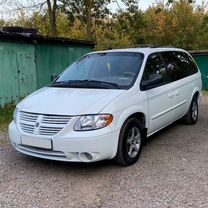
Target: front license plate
<point>37,142</point>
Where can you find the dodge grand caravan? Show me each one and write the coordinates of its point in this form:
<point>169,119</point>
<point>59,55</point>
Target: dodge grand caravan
<point>106,105</point>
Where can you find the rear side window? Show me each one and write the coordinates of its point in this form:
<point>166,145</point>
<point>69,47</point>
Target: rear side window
<point>193,68</point>
<point>179,64</point>
<point>155,73</point>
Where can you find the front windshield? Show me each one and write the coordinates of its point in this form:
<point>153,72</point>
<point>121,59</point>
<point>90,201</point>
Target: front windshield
<point>102,70</point>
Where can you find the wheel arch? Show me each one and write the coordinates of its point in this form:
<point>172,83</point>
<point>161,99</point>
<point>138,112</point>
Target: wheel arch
<point>143,121</point>
<point>141,116</point>
<point>196,92</point>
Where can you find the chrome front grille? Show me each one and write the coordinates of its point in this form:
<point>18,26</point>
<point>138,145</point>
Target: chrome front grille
<point>27,128</point>
<point>55,119</point>
<point>49,131</point>
<point>28,117</point>
<point>39,124</point>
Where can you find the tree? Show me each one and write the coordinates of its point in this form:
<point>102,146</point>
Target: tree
<point>122,29</point>
<point>52,7</point>
<point>131,21</point>
<point>41,21</point>
<point>13,7</point>
<point>90,12</point>
<point>2,23</point>
<point>178,24</point>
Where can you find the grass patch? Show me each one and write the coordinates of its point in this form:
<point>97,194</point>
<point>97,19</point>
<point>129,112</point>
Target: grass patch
<point>6,114</point>
<point>3,141</point>
<point>205,92</point>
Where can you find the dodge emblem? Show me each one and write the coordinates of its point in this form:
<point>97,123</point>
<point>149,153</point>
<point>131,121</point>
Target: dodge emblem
<point>37,124</point>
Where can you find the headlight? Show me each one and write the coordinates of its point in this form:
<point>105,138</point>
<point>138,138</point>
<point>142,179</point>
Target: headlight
<point>15,115</point>
<point>93,122</point>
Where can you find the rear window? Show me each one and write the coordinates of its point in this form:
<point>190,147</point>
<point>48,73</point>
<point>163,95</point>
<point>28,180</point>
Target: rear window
<point>179,64</point>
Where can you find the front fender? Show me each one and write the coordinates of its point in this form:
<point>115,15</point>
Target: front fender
<point>129,112</point>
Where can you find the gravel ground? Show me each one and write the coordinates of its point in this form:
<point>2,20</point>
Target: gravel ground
<point>171,172</point>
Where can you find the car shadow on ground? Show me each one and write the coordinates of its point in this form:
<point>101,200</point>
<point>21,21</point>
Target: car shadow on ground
<point>158,135</point>
<point>61,166</point>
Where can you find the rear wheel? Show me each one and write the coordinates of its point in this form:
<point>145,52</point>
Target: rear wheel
<point>192,115</point>
<point>130,142</point>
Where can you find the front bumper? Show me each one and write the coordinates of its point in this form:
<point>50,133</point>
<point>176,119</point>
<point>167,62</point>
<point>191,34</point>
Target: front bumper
<point>79,149</point>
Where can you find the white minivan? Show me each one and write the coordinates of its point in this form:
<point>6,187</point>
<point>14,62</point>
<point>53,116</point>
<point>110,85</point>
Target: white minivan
<point>106,105</point>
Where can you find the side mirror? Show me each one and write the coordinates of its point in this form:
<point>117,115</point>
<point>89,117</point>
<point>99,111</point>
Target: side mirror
<point>154,80</point>
<point>53,77</point>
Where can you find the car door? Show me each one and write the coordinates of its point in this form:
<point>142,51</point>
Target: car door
<point>159,89</point>
<point>178,65</point>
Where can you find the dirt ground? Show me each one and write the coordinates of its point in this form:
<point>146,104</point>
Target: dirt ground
<point>171,172</point>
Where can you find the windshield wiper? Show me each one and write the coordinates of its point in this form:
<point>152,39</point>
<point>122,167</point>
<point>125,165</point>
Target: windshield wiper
<point>85,83</point>
<point>101,82</point>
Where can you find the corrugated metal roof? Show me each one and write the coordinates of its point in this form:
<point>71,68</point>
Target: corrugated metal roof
<point>40,38</point>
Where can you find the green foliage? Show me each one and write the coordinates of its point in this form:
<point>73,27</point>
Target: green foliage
<point>41,22</point>
<point>78,9</point>
<point>205,92</point>
<point>177,23</point>
<point>89,12</point>
<point>110,37</point>
<point>2,23</point>
<point>6,116</point>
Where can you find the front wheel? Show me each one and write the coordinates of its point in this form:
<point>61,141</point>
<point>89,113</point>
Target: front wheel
<point>192,116</point>
<point>130,142</point>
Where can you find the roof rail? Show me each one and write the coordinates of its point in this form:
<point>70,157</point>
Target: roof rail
<point>134,46</point>
<point>167,46</point>
<point>147,46</point>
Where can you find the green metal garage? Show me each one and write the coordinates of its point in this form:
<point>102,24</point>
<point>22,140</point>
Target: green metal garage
<point>28,61</point>
<point>201,58</point>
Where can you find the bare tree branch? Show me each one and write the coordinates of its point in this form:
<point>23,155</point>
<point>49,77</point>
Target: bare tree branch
<point>40,5</point>
<point>116,1</point>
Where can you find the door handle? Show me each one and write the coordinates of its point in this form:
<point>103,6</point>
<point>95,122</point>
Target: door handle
<point>171,94</point>
<point>177,92</point>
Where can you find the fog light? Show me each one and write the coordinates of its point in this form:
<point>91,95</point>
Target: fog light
<point>88,156</point>
<point>85,156</point>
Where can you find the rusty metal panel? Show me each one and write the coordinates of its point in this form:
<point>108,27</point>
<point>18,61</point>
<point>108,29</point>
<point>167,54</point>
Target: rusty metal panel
<point>8,75</point>
<point>17,72</point>
<point>26,69</point>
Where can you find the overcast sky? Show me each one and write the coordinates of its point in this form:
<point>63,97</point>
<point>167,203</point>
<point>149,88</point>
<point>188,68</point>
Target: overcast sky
<point>144,4</point>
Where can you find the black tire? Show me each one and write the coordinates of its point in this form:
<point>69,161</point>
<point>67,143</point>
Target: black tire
<point>130,142</point>
<point>192,115</point>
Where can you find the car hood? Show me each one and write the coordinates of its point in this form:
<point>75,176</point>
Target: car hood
<point>68,101</point>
